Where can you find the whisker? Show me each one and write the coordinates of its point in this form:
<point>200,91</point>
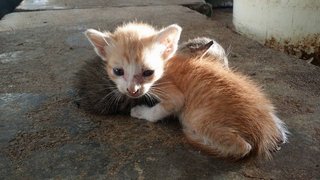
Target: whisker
<point>106,85</point>
<point>161,84</point>
<point>119,96</point>
<point>158,90</point>
<point>110,93</point>
<point>155,95</point>
<point>153,99</point>
<point>111,101</point>
<point>150,98</point>
<point>108,96</point>
<point>104,89</point>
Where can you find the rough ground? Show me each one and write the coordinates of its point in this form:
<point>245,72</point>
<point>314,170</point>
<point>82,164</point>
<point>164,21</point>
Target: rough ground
<point>44,135</point>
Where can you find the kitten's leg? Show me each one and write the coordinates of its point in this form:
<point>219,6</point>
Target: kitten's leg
<point>151,114</point>
<point>170,103</point>
<point>222,142</point>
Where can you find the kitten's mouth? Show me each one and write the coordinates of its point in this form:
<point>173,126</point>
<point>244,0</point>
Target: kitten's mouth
<point>137,95</point>
<point>134,93</point>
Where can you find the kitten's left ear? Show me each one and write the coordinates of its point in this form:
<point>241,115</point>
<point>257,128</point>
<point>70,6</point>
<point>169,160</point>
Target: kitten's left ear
<point>169,38</point>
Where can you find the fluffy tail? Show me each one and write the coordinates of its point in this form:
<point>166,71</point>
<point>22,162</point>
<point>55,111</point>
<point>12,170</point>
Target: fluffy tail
<point>228,143</point>
<point>272,138</point>
<point>282,129</point>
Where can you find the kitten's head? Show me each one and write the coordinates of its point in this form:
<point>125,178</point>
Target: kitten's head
<point>135,54</point>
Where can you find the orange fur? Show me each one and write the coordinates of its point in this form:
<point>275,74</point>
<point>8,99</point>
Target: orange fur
<point>222,112</point>
<point>134,48</point>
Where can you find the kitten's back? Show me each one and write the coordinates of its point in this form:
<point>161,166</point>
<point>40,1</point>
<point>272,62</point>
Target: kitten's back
<point>225,113</point>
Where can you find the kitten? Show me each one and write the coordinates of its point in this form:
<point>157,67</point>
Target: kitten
<point>98,94</point>
<point>221,111</point>
<point>203,46</point>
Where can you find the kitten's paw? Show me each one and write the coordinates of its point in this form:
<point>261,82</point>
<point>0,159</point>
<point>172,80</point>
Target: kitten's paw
<point>136,112</point>
<point>142,112</point>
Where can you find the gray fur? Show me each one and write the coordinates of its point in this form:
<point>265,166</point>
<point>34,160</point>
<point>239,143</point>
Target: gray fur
<point>92,83</point>
<point>204,46</point>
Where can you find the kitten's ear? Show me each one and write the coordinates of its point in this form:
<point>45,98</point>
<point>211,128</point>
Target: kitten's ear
<point>205,48</point>
<point>169,37</point>
<point>99,41</point>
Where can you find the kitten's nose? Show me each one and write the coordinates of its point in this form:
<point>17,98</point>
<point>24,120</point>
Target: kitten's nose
<point>133,91</point>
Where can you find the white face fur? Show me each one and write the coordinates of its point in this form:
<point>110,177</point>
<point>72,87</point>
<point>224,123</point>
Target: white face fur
<point>138,78</point>
<point>135,65</point>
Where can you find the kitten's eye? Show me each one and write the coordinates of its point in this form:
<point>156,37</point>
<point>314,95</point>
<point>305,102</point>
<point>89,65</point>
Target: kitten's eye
<point>147,73</point>
<point>118,71</point>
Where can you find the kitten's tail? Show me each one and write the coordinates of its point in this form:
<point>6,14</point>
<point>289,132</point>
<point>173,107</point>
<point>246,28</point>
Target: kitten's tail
<point>227,143</point>
<point>272,139</point>
<point>282,128</point>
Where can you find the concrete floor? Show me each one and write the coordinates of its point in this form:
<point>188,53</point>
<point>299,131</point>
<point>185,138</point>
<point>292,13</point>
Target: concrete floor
<point>44,135</point>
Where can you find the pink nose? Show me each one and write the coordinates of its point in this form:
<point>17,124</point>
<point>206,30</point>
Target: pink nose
<point>133,92</point>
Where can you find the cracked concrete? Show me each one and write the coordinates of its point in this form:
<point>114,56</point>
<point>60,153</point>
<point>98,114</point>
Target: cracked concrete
<point>44,135</point>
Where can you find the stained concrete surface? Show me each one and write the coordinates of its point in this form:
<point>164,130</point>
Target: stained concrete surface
<point>43,134</point>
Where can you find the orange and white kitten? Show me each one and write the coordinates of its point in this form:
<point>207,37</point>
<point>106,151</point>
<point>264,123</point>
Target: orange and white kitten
<point>221,111</point>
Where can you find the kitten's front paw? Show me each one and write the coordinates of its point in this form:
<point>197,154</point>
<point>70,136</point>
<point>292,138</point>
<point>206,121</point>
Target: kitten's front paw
<point>136,112</point>
<point>142,112</point>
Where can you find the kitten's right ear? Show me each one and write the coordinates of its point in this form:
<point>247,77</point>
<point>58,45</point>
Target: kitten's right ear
<point>99,41</point>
